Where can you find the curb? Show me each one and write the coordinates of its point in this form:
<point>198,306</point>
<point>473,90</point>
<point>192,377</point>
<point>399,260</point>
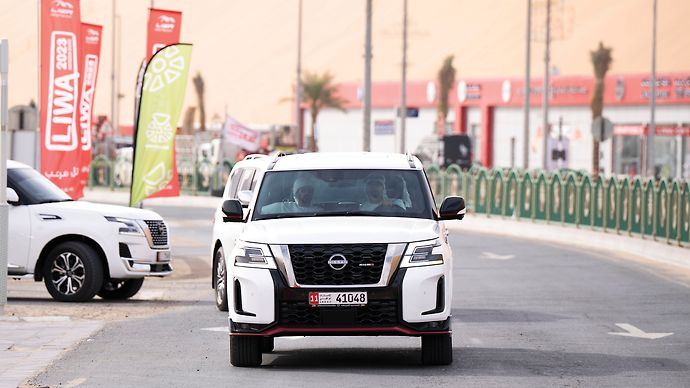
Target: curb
<point>656,251</point>
<point>118,197</point>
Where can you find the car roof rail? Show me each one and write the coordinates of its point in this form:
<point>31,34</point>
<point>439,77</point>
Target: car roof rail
<point>275,160</point>
<point>254,156</point>
<point>410,159</point>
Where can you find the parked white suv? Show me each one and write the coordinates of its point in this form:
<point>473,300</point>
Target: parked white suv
<point>335,244</point>
<point>80,249</point>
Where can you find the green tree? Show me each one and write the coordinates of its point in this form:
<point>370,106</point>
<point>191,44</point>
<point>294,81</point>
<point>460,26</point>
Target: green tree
<point>601,61</point>
<point>446,80</point>
<point>318,92</point>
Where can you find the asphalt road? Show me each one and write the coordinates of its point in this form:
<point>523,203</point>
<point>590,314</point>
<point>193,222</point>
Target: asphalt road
<point>524,314</point>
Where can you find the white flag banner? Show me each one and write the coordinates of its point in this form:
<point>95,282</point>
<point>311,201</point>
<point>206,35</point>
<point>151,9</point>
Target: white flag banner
<point>238,134</point>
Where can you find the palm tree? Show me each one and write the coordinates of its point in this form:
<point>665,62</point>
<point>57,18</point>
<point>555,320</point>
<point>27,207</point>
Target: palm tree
<point>318,92</point>
<point>601,60</point>
<point>199,89</point>
<point>446,79</point>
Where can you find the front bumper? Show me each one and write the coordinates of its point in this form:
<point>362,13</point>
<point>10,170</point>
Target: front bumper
<point>138,259</point>
<point>415,302</point>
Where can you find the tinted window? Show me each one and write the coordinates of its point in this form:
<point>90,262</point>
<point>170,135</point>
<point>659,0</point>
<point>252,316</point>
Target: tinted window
<point>391,193</point>
<point>34,188</point>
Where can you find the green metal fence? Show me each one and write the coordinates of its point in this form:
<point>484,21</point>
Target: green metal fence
<point>195,177</point>
<point>659,210</point>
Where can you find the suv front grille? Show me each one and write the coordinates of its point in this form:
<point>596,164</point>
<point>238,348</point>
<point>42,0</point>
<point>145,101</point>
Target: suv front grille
<point>364,263</point>
<point>376,312</point>
<point>159,232</point>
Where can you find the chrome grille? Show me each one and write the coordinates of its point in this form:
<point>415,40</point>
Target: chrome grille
<point>364,263</point>
<point>159,232</point>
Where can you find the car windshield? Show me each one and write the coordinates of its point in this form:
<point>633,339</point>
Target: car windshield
<point>34,188</point>
<point>313,193</point>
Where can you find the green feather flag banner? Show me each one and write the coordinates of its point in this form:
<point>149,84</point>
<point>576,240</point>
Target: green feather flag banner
<point>160,106</point>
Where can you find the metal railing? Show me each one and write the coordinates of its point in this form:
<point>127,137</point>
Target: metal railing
<point>648,208</point>
<point>195,176</point>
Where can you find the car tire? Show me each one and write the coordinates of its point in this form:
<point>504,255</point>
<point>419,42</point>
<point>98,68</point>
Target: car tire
<point>437,349</point>
<point>221,281</point>
<point>245,350</point>
<point>72,272</point>
<point>120,288</point>
<point>267,344</point>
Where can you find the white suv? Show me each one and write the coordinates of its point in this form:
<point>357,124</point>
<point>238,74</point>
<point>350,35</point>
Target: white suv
<point>80,249</point>
<point>334,244</point>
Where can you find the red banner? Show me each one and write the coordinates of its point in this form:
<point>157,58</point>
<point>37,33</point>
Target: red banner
<point>164,29</point>
<point>60,59</point>
<point>91,50</point>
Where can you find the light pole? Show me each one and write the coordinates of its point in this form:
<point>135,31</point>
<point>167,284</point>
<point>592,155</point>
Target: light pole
<point>545,127</point>
<point>367,82</point>
<point>4,207</point>
<point>525,136</point>
<point>403,82</point>
<point>298,81</point>
<point>652,100</point>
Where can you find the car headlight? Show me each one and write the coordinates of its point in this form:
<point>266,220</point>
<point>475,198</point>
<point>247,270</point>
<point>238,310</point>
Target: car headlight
<point>429,252</point>
<point>253,255</point>
<point>127,225</point>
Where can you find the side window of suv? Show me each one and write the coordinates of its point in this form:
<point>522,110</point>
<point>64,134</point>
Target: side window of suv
<point>234,181</point>
<point>247,181</point>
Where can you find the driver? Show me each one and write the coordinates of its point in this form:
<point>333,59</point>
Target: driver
<point>302,194</point>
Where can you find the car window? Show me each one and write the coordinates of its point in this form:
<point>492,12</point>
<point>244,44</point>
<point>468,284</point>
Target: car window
<point>392,193</point>
<point>233,182</point>
<point>34,188</point>
<point>246,180</point>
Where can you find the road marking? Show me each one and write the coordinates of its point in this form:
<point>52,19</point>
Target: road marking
<point>75,382</point>
<point>221,329</point>
<point>494,256</point>
<point>632,331</point>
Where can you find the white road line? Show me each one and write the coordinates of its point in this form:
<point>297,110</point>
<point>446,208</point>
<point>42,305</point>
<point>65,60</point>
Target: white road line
<point>494,256</point>
<point>221,329</point>
<point>75,382</point>
<point>633,331</point>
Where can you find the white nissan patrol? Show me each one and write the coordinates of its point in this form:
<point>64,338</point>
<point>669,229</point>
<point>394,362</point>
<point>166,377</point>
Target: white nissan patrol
<point>333,244</point>
<point>80,249</point>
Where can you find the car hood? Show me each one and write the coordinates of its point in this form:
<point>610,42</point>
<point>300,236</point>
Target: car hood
<point>340,230</point>
<point>102,209</point>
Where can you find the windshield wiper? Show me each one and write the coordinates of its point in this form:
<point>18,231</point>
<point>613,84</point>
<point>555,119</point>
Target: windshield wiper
<point>347,213</point>
<point>54,200</point>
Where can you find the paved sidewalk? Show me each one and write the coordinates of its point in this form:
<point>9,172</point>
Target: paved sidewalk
<point>621,245</point>
<point>29,344</point>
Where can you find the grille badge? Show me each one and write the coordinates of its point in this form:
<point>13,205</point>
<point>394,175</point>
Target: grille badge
<point>338,262</point>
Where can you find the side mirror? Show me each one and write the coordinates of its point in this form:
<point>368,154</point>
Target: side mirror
<point>452,208</point>
<point>245,196</point>
<point>12,197</point>
<point>232,210</point>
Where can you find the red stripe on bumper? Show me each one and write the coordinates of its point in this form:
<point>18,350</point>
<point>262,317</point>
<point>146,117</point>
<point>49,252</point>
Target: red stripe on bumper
<point>284,331</point>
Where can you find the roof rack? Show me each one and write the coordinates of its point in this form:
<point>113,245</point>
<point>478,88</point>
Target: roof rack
<point>410,160</point>
<point>274,161</point>
<point>254,156</point>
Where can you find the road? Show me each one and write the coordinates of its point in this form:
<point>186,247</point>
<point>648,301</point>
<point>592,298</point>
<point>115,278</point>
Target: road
<point>524,314</point>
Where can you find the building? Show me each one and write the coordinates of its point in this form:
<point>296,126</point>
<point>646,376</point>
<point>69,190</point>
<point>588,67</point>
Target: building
<point>490,111</point>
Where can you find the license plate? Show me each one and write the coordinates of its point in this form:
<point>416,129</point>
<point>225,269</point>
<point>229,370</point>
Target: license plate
<point>358,298</point>
<point>163,256</point>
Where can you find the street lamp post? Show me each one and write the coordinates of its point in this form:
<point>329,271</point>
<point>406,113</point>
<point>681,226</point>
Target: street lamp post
<point>367,81</point>
<point>4,207</point>
<point>652,100</point>
<point>546,128</point>
<point>298,81</point>
<point>403,83</point>
<point>525,136</point>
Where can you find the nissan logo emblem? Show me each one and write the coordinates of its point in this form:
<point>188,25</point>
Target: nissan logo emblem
<point>337,262</point>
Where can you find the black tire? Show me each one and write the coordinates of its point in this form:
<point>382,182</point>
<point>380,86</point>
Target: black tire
<point>267,344</point>
<point>221,281</point>
<point>73,272</point>
<point>437,349</point>
<point>120,288</point>
<point>245,350</point>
